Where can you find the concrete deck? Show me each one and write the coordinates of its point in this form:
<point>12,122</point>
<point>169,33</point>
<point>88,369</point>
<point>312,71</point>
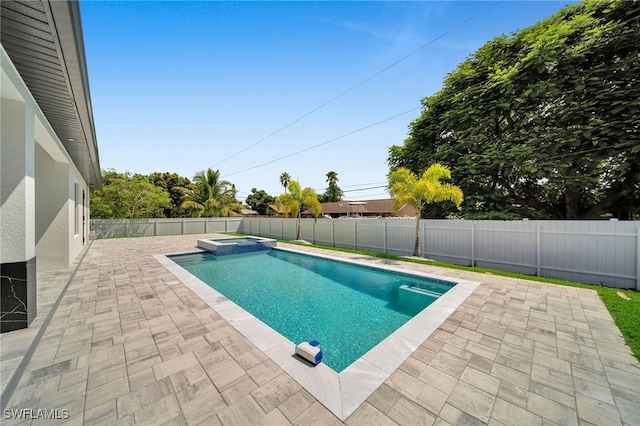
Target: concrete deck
<point>121,340</point>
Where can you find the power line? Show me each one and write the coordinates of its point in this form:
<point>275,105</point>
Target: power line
<point>569,154</point>
<point>347,186</point>
<point>361,189</point>
<point>347,134</point>
<point>364,184</point>
<point>325,142</point>
<point>365,189</point>
<point>366,80</point>
<point>369,196</point>
<point>351,186</point>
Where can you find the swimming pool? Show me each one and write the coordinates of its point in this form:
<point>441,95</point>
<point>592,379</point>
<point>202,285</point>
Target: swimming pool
<point>348,308</point>
<point>342,393</point>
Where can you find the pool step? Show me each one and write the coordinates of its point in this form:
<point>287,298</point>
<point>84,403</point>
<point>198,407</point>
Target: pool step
<point>415,289</point>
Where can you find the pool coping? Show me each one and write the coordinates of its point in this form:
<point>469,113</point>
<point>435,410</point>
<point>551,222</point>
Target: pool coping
<point>341,393</point>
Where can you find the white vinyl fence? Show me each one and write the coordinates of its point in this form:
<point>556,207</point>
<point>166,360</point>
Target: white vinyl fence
<point>118,228</point>
<point>596,252</point>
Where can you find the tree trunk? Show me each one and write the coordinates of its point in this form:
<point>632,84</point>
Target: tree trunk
<point>299,224</point>
<point>570,204</point>
<point>416,246</point>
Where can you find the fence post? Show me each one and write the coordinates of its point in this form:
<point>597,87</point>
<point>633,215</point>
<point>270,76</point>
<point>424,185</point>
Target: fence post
<point>384,238</point>
<point>155,228</point>
<point>423,230</point>
<point>333,233</point>
<point>473,244</point>
<point>538,250</point>
<point>355,234</point>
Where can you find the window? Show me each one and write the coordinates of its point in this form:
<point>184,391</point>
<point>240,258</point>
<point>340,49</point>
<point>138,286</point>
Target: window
<point>76,212</point>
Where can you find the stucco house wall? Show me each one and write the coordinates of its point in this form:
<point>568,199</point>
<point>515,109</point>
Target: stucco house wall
<point>48,156</point>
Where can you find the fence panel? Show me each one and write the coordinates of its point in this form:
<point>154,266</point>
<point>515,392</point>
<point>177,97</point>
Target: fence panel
<point>510,246</point>
<point>307,229</point>
<point>401,235</point>
<point>193,227</point>
<point>448,241</point>
<point>324,232</point>
<point>370,234</point>
<point>289,229</point>
<point>262,226</point>
<point>111,228</point>
<point>592,252</point>
<point>344,233</point>
<point>168,228</point>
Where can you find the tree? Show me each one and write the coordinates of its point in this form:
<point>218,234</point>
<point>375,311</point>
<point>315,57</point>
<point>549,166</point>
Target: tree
<point>297,200</point>
<point>545,121</point>
<point>123,195</point>
<point>170,182</point>
<point>285,178</point>
<point>333,192</point>
<point>260,201</point>
<point>407,189</point>
<point>210,196</point>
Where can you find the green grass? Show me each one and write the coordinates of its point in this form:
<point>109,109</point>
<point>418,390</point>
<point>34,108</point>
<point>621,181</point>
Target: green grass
<point>625,313</point>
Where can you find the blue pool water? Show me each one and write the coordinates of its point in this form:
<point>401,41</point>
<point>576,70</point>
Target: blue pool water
<point>349,309</point>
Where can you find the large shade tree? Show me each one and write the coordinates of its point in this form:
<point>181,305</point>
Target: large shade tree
<point>170,183</point>
<point>210,196</point>
<point>406,188</point>
<point>259,201</point>
<point>127,196</point>
<point>544,122</point>
<point>297,200</point>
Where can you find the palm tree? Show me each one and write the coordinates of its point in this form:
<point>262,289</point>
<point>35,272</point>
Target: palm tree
<point>210,196</point>
<point>297,200</point>
<point>284,180</point>
<point>333,192</point>
<point>407,189</point>
<point>332,178</point>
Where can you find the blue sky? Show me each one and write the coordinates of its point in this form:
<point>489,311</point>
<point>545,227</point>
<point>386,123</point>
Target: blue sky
<point>183,86</point>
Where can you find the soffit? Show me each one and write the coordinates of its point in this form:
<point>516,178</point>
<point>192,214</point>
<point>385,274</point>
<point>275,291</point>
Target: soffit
<point>44,41</point>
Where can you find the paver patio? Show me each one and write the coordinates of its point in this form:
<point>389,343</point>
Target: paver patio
<point>128,343</point>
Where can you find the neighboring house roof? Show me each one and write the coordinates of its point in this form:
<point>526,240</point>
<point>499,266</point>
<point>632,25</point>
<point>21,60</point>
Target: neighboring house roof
<point>279,210</point>
<point>44,41</point>
<point>248,212</point>
<point>365,207</point>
